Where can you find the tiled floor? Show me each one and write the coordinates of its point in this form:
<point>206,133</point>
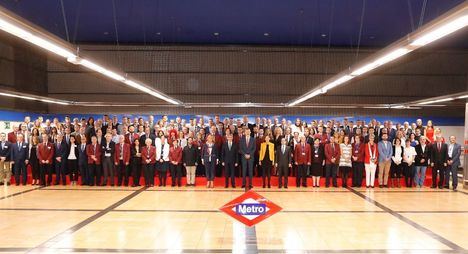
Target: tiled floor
<point>135,220</point>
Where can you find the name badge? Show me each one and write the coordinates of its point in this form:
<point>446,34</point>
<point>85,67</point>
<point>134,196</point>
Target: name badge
<point>107,154</point>
<point>316,156</point>
<point>24,146</point>
<point>5,146</point>
<point>48,147</point>
<point>303,153</point>
<point>356,151</point>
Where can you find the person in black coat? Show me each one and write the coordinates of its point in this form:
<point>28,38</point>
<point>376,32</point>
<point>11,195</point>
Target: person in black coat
<point>229,159</point>
<point>423,154</point>
<point>190,159</point>
<point>318,159</point>
<point>439,156</point>
<point>83,161</point>
<point>60,159</point>
<point>283,162</point>
<point>19,158</point>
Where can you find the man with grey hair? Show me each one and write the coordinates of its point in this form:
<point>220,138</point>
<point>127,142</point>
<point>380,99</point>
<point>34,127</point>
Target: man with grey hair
<point>19,159</point>
<point>453,161</point>
<point>5,165</point>
<point>61,153</point>
<point>108,149</point>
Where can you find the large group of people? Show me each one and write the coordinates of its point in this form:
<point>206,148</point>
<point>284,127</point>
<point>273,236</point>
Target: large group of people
<point>116,152</point>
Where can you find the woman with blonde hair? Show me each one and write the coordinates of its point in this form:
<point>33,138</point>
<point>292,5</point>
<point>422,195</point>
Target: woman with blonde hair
<point>266,159</point>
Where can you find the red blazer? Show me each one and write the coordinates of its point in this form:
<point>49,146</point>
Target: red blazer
<point>45,152</point>
<point>300,156</point>
<point>127,138</point>
<point>148,154</point>
<point>367,156</point>
<point>359,152</point>
<point>329,154</point>
<point>12,137</point>
<point>175,154</point>
<point>126,153</point>
<point>90,151</point>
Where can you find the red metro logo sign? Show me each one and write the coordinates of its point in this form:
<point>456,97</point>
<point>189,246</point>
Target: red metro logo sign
<point>250,208</point>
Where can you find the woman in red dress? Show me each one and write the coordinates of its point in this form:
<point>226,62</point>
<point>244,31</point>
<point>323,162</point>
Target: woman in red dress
<point>429,131</point>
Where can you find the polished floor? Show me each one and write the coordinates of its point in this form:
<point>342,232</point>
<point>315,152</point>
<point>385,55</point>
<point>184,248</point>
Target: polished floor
<point>75,219</point>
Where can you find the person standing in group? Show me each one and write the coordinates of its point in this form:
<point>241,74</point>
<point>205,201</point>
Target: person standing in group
<point>45,154</point>
<point>148,155</point>
<point>93,151</point>
<point>409,154</point>
<point>190,159</point>
<point>358,161</point>
<point>345,163</point>
<point>175,157</point>
<point>209,160</point>
<point>72,160</point>
<point>60,155</point>
<point>266,160</point>
<point>283,162</point>
<point>33,160</point>
<point>230,160</point>
<point>162,155</point>
<point>302,156</point>
<point>397,166</point>
<point>332,159</point>
<point>135,161</point>
<point>19,159</point>
<point>421,161</point>
<point>385,160</point>
<point>370,161</point>
<point>122,161</point>
<point>439,156</point>
<point>108,148</point>
<point>83,161</point>
<point>5,162</point>
<point>247,150</point>
<point>318,161</point>
<point>453,161</point>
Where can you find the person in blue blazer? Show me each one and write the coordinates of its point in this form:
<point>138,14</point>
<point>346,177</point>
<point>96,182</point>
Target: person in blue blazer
<point>453,162</point>
<point>247,148</point>
<point>19,159</point>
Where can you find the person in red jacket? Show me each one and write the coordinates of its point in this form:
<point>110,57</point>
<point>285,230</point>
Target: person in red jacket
<point>93,151</point>
<point>332,159</point>
<point>45,153</point>
<point>122,161</point>
<point>13,135</point>
<point>175,157</point>
<point>370,161</point>
<point>148,159</point>
<point>358,161</point>
<point>302,157</point>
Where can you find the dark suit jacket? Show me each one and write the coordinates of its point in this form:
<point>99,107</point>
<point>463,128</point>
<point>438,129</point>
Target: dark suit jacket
<point>205,155</point>
<point>247,149</point>
<point>283,159</point>
<point>319,156</point>
<point>230,156</point>
<point>426,155</point>
<point>111,149</point>
<point>62,152</point>
<point>82,156</point>
<point>5,150</point>
<point>21,154</point>
<point>439,157</point>
<point>144,137</point>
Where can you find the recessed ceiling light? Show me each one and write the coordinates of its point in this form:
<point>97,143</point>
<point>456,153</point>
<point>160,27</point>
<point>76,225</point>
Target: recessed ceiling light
<point>266,34</point>
<point>215,33</point>
<point>324,35</point>
<point>158,33</point>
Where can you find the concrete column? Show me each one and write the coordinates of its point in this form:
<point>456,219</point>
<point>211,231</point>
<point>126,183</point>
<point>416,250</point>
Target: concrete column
<point>465,155</point>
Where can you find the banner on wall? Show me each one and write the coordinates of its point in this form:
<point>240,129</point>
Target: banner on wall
<point>16,116</point>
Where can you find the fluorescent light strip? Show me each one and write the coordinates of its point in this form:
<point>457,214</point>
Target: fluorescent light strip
<point>435,101</point>
<point>462,97</point>
<point>34,99</point>
<point>306,97</point>
<point>154,93</point>
<point>381,61</point>
<point>337,82</point>
<point>27,36</point>
<point>442,31</point>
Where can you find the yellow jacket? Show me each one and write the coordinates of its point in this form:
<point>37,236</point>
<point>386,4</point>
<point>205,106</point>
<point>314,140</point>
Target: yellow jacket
<point>263,147</point>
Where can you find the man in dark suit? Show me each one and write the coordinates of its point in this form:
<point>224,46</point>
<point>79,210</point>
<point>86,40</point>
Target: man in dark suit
<point>283,163</point>
<point>332,159</point>
<point>229,159</point>
<point>19,158</point>
<point>439,156</point>
<point>453,161</point>
<point>149,135</point>
<point>61,153</point>
<point>302,157</point>
<point>83,161</point>
<point>247,150</point>
<point>108,150</point>
<point>5,165</point>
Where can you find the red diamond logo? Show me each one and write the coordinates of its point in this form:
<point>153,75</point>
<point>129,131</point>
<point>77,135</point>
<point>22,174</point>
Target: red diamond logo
<point>250,208</point>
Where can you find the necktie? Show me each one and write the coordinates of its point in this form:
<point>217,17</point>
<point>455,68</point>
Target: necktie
<point>438,146</point>
<point>229,145</point>
<point>282,148</point>
<point>121,151</point>
<point>19,146</point>
<point>247,141</point>
<point>94,149</point>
